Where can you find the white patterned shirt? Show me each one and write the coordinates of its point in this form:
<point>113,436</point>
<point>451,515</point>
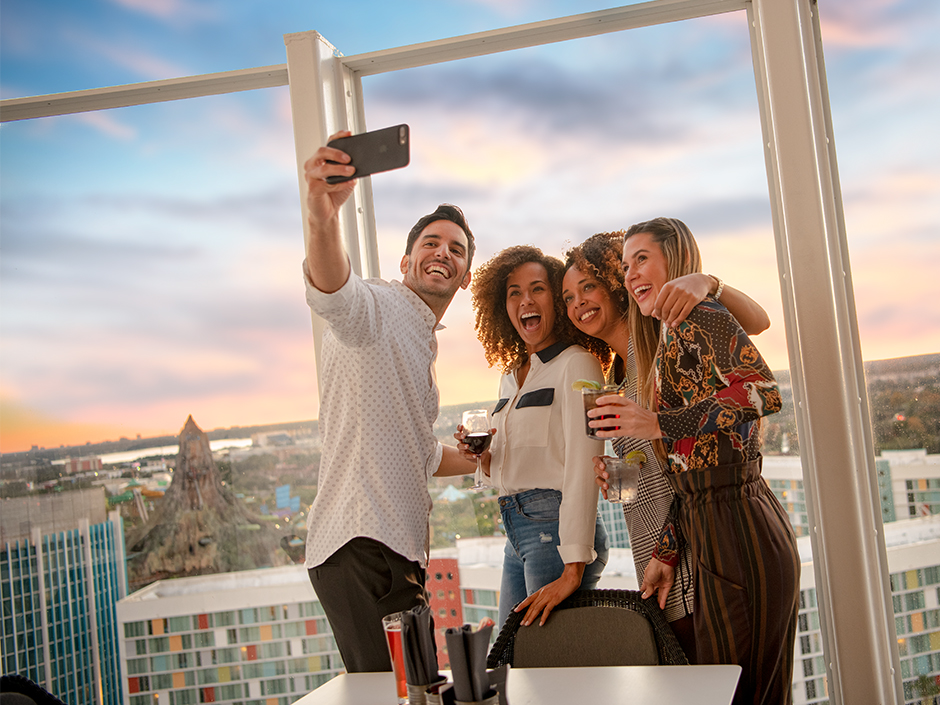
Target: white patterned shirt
<point>378,406</point>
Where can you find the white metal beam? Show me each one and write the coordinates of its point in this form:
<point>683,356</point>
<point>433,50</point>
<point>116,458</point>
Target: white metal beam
<point>825,358</point>
<point>327,97</point>
<point>142,93</point>
<point>538,33</point>
<point>479,44</point>
<point>829,391</point>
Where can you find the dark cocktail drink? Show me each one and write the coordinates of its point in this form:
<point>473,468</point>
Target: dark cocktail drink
<point>589,398</point>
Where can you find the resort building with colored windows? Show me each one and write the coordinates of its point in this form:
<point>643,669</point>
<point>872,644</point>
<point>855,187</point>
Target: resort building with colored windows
<point>256,636</point>
<point>260,638</point>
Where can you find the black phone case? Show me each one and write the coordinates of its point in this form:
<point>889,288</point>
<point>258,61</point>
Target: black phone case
<point>374,152</point>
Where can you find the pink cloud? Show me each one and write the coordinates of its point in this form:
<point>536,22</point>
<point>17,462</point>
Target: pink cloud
<point>105,123</point>
<point>862,24</point>
<point>171,10</point>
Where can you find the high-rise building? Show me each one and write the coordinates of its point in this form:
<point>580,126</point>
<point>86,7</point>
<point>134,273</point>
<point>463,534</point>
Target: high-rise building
<point>612,515</point>
<point>62,571</point>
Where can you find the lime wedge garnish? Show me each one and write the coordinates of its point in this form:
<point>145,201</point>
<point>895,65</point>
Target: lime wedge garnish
<point>585,384</point>
<point>637,455</point>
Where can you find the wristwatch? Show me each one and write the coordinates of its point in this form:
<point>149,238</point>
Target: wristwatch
<point>721,286</point>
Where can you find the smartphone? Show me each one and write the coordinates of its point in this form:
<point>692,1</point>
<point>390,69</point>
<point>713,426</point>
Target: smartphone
<point>373,152</point>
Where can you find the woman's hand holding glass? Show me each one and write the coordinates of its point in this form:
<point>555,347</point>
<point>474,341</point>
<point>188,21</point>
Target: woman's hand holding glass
<point>624,417</point>
<point>600,473</point>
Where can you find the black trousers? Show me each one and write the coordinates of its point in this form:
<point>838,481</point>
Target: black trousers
<point>357,586</point>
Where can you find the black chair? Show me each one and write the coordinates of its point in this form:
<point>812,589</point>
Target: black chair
<point>19,690</point>
<point>590,628</point>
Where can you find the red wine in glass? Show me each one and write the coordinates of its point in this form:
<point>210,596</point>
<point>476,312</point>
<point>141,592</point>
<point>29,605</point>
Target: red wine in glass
<point>478,442</point>
<point>476,424</point>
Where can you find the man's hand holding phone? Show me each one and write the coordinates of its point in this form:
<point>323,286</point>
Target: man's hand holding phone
<point>330,175</point>
<point>373,152</point>
<point>324,199</point>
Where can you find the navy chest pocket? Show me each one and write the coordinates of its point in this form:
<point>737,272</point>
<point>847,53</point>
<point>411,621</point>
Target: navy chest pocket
<point>540,397</point>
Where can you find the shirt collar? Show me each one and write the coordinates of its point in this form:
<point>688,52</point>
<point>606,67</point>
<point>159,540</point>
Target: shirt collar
<point>419,304</point>
<point>546,355</point>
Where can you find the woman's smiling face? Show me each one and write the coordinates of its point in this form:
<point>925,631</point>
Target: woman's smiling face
<point>645,270</point>
<point>530,306</point>
<point>588,304</point>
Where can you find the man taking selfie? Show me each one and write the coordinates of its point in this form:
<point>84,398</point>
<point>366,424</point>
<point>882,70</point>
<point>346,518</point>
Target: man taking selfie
<point>367,531</point>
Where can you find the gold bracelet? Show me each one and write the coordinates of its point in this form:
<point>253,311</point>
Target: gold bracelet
<point>721,286</point>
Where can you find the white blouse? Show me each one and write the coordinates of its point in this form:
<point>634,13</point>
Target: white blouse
<point>541,443</point>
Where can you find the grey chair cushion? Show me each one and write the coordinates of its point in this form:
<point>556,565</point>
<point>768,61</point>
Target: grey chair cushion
<point>587,636</point>
<point>16,699</point>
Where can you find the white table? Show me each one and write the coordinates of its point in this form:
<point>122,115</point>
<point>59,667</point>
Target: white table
<point>636,685</point>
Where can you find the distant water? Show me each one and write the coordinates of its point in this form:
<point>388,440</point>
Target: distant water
<point>167,451</point>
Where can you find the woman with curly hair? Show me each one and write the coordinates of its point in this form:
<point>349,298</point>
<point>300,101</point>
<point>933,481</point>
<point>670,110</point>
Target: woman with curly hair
<point>540,459</point>
<point>597,303</point>
<point>704,388</point>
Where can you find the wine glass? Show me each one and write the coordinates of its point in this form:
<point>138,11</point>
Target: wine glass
<point>476,424</point>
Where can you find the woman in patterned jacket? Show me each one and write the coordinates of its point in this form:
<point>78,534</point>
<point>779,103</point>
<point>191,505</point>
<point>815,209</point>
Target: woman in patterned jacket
<point>703,388</point>
<point>597,304</point>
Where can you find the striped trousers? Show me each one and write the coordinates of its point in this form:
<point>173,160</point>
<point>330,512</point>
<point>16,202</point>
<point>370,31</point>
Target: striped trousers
<point>746,572</point>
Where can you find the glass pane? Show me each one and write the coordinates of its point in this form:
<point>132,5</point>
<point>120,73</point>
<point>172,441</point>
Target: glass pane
<point>151,270</point>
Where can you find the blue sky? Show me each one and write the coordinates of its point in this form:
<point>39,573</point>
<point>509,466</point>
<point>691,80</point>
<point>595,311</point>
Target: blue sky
<point>150,256</point>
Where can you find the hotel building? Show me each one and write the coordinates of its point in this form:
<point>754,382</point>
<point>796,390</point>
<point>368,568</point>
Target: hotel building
<point>62,571</point>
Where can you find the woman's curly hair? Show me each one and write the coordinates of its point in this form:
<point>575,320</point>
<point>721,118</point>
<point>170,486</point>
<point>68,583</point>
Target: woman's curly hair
<point>502,344</point>
<point>601,256</point>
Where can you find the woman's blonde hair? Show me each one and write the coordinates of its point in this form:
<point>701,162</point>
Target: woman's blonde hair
<point>677,244</point>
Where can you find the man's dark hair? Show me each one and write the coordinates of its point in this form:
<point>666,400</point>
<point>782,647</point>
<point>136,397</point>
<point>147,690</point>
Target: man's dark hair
<point>445,211</point>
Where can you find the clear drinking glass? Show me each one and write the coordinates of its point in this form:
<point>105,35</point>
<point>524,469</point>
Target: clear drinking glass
<point>476,424</point>
<point>392,626</point>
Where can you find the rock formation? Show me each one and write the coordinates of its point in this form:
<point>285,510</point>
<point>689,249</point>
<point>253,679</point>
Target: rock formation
<point>199,527</point>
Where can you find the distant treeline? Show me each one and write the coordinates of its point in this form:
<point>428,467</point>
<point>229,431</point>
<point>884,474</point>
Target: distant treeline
<point>131,444</point>
<point>903,393</point>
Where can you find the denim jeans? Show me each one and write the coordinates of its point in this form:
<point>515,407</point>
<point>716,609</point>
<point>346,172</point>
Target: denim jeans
<point>531,559</point>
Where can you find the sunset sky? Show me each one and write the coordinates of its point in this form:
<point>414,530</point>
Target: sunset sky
<point>150,256</point>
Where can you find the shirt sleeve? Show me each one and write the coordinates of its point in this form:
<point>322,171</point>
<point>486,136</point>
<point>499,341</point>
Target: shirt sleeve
<point>722,380</point>
<point>667,547</point>
<point>578,512</point>
<point>352,310</point>
<point>434,461</point>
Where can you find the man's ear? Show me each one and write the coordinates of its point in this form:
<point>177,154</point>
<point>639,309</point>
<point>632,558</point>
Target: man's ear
<point>466,281</point>
<point>404,264</point>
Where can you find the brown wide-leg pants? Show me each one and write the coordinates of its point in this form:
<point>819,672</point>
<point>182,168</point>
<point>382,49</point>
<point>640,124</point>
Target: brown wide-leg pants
<point>747,577</point>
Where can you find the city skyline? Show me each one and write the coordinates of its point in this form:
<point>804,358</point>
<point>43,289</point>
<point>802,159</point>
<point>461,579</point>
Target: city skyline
<point>151,255</point>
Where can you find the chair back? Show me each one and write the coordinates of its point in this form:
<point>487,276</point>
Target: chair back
<point>587,636</point>
<point>590,628</point>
